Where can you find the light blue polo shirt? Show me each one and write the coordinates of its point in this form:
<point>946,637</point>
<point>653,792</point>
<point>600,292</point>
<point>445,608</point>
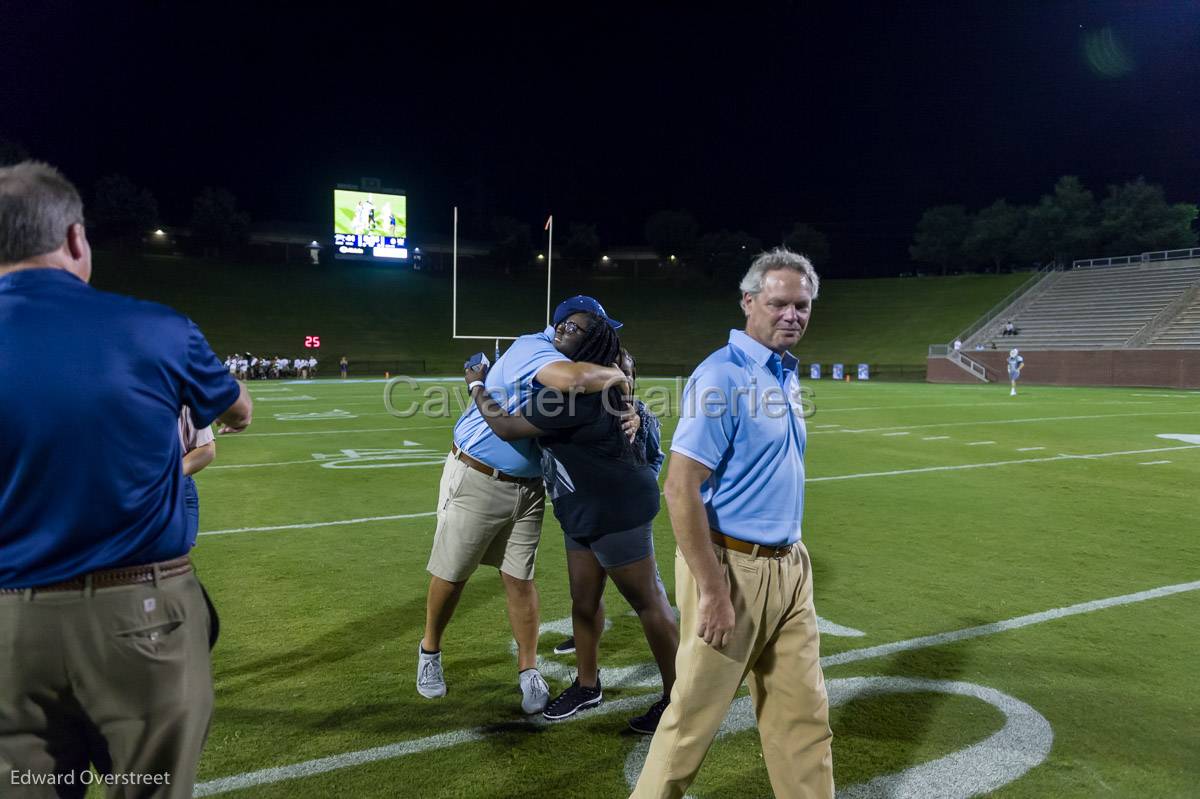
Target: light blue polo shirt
<point>510,382</point>
<point>741,416</point>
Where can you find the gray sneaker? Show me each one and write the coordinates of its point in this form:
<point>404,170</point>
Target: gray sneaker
<point>431,683</point>
<point>534,691</point>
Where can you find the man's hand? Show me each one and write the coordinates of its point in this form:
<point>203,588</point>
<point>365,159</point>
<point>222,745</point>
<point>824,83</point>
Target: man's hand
<point>631,420</point>
<point>473,373</point>
<point>715,617</point>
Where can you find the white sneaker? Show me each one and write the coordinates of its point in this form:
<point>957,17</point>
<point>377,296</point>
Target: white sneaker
<point>535,694</point>
<point>1012,393</point>
<point>431,683</point>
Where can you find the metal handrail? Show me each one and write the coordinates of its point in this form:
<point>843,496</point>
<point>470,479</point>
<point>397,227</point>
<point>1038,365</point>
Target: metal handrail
<point>1141,258</point>
<point>995,310</point>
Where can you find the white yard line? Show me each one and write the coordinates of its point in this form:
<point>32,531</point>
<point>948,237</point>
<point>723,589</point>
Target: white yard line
<point>256,465</point>
<point>311,525</point>
<point>1008,421</point>
<point>906,433</point>
<point>1059,457</point>
<point>1029,449</point>
<point>979,443</point>
<point>1152,463</point>
<point>446,740</point>
<point>236,436</point>
<point>935,438</point>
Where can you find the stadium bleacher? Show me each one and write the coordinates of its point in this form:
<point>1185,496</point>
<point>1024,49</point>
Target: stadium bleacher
<point>1103,307</point>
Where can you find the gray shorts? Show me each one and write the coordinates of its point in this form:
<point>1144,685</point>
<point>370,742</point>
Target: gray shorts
<point>616,549</point>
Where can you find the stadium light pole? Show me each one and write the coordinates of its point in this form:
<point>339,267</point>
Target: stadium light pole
<point>549,260</point>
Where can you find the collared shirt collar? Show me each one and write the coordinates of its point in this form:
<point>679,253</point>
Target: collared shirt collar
<point>36,274</point>
<point>760,353</point>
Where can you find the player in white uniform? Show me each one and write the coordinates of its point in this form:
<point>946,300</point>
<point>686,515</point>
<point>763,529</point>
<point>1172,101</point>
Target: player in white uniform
<point>1015,364</point>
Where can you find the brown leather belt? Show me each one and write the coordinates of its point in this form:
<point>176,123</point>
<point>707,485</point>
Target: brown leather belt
<point>110,578</point>
<point>480,466</point>
<point>757,550</point>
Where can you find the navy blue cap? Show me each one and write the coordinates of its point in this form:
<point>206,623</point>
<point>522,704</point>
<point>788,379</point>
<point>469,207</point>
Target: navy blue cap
<point>583,303</point>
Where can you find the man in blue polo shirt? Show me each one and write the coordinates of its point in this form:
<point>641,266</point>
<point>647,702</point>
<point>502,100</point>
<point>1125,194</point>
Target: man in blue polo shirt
<point>104,628</point>
<point>491,502</point>
<point>743,579</point>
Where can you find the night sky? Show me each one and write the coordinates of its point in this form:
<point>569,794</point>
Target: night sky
<point>853,117</point>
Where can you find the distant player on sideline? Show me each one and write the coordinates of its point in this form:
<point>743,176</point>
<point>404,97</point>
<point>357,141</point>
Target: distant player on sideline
<point>1015,364</point>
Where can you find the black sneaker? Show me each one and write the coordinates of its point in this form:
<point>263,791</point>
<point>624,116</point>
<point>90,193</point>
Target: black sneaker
<point>573,700</point>
<point>647,723</point>
<point>566,647</point>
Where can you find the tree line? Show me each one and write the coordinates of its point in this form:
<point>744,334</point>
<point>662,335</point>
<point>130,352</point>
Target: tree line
<point>1066,224</point>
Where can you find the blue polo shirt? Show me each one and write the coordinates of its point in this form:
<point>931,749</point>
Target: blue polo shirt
<point>91,384</point>
<point>741,416</point>
<point>510,382</point>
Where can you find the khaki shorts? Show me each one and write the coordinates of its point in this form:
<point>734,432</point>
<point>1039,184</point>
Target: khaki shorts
<point>484,520</point>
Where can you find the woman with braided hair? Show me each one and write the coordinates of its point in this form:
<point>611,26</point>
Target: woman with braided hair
<point>605,493</point>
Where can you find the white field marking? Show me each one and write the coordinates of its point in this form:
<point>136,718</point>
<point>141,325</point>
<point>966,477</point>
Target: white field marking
<point>905,433</point>
<point>235,436</point>
<point>1059,457</point>
<point>375,458</point>
<point>297,398</point>
<point>309,768</point>
<point>255,465</point>
<point>819,426</point>
<point>935,438</point>
<point>1010,421</point>
<point>1003,757</point>
<point>979,443</point>
<point>255,390</point>
<point>1186,438</point>
<point>925,405</point>
<point>1152,463</point>
<point>1029,449</point>
<point>311,525</point>
<point>336,413</point>
<point>1192,395</point>
<point>883,650</point>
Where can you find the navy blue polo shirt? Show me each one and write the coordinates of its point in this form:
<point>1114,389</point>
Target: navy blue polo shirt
<point>91,385</point>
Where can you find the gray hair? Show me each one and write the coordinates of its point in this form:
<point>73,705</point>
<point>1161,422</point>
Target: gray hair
<point>779,258</point>
<point>37,206</point>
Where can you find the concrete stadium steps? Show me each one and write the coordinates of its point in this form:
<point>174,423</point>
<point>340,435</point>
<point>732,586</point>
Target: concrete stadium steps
<point>1099,307</point>
<point>1183,331</point>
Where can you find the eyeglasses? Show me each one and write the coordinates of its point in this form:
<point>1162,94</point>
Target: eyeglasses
<point>570,327</point>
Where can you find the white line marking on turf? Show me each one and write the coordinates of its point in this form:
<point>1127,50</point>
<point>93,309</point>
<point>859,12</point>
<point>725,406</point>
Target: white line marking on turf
<point>1152,463</point>
<point>1029,449</point>
<point>935,438</point>
<point>1058,457</point>
<point>885,435</point>
<point>298,398</point>
<point>235,436</point>
<point>311,525</point>
<point>866,653</point>
<point>1004,756</point>
<point>1010,421</point>
<point>1186,438</point>
<point>979,443</point>
<point>322,765</point>
<point>256,465</point>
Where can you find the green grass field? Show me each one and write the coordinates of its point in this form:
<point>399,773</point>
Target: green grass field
<point>931,510</point>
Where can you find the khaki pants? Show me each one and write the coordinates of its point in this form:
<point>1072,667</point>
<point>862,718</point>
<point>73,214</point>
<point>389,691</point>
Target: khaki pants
<point>775,643</point>
<point>484,520</point>
<point>118,677</point>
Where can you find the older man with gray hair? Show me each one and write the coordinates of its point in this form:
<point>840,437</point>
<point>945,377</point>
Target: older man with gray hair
<point>104,627</point>
<point>743,579</point>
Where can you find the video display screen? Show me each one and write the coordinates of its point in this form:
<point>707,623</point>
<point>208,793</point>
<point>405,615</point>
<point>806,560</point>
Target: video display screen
<point>370,224</point>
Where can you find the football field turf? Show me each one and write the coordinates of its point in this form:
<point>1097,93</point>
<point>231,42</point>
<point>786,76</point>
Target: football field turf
<point>1010,590</point>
